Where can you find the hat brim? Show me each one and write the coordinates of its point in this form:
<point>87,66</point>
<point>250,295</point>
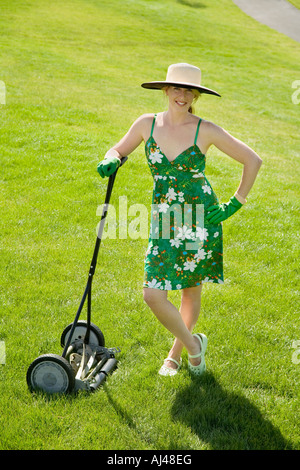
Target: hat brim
<point>160,85</point>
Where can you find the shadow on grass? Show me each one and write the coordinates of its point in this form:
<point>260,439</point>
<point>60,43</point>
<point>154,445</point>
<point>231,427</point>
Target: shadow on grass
<point>225,420</point>
<point>192,3</point>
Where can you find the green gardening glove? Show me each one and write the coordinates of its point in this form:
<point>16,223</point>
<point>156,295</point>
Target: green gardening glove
<point>108,166</point>
<point>220,212</point>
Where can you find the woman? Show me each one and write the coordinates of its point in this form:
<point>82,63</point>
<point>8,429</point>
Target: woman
<point>176,142</point>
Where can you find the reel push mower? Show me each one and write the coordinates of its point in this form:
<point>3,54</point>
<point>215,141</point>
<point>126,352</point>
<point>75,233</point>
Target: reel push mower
<point>85,361</point>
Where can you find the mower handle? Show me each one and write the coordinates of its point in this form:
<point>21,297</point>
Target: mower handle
<point>87,292</point>
<point>123,160</point>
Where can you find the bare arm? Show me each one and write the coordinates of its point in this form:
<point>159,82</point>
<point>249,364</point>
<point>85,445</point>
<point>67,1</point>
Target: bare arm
<point>234,148</point>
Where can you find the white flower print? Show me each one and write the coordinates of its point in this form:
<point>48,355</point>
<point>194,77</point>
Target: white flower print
<point>178,286</point>
<point>209,254</point>
<point>201,233</point>
<point>155,157</point>
<point>184,233</point>
<point>163,207</point>
<point>207,280</point>
<point>171,195</point>
<point>206,189</point>
<point>189,266</point>
<point>180,196</point>
<point>175,242</point>
<point>178,268</point>
<point>200,255</point>
<point>168,285</point>
<point>198,175</point>
<point>216,234</point>
<point>154,284</point>
<point>155,251</point>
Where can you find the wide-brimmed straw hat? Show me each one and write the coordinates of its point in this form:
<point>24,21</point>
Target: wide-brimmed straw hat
<point>184,76</point>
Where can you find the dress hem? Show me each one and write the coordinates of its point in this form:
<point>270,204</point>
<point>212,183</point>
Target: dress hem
<point>212,281</point>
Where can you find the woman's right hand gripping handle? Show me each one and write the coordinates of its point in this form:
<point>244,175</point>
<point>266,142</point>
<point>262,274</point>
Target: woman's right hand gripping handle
<point>108,166</point>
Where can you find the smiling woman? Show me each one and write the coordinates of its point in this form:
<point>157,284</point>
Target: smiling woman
<point>176,142</point>
<point>70,93</point>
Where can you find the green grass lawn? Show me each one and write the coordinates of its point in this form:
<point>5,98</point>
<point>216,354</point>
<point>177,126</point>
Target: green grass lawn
<point>296,3</point>
<point>72,72</point>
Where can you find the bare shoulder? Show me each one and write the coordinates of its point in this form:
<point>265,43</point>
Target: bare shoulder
<point>145,119</point>
<point>208,134</point>
<point>209,127</point>
<point>143,124</point>
<point>213,134</point>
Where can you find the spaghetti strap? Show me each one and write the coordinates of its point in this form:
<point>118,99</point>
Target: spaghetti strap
<point>153,122</point>
<point>197,131</point>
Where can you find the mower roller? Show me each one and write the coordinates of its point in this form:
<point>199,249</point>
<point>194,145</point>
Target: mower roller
<point>85,362</point>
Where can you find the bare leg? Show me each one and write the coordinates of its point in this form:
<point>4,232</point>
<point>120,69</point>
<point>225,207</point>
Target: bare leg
<point>171,318</point>
<point>189,310</point>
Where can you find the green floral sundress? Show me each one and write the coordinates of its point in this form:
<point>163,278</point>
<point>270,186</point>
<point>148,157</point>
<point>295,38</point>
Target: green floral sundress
<point>184,249</point>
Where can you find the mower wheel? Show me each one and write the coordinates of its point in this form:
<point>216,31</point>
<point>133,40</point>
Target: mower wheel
<point>50,373</point>
<point>96,335</point>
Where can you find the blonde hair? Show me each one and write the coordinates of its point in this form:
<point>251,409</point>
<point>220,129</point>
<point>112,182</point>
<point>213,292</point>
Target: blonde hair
<point>196,95</point>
